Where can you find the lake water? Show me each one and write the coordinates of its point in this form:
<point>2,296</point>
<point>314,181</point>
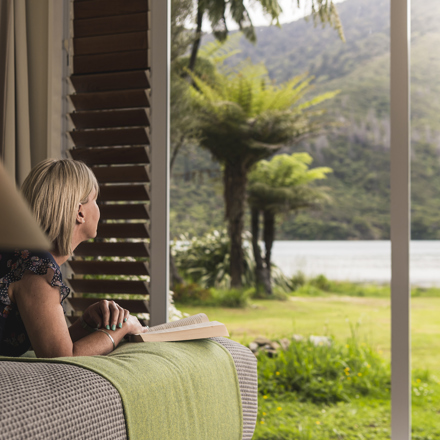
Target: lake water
<point>356,260</point>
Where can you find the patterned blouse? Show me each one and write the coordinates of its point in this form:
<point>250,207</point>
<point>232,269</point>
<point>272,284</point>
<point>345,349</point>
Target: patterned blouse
<point>14,340</point>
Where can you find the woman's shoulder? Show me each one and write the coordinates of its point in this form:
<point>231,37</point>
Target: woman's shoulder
<point>14,264</point>
<point>13,260</point>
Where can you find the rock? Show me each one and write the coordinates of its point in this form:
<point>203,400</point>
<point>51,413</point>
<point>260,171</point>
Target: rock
<point>284,343</point>
<point>253,346</point>
<point>274,345</point>
<point>261,340</point>
<point>298,338</point>
<point>320,340</point>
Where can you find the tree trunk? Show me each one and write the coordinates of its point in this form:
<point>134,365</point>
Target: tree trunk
<point>176,151</point>
<point>268,237</point>
<point>235,180</point>
<point>175,277</point>
<point>261,277</point>
<point>198,38</point>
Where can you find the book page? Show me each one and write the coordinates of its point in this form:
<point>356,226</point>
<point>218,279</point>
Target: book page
<point>195,319</point>
<point>188,332</point>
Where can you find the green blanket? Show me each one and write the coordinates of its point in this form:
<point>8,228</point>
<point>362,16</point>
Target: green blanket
<point>171,390</point>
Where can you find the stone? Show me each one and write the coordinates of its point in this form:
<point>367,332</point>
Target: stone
<point>274,345</point>
<point>298,338</point>
<point>261,340</point>
<point>320,340</point>
<point>284,343</point>
<point>253,346</point>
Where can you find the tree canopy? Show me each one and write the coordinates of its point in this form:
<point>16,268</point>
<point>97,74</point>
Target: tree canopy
<point>243,117</point>
<point>280,185</point>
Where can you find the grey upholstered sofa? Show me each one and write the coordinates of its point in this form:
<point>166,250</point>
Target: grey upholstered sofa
<point>60,401</point>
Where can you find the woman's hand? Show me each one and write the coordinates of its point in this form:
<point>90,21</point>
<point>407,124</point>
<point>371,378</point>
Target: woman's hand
<point>106,314</point>
<point>134,327</point>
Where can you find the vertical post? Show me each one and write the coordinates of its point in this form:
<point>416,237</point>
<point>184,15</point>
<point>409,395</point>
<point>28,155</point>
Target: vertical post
<point>400,220</point>
<point>55,70</point>
<point>67,43</point>
<point>160,77</point>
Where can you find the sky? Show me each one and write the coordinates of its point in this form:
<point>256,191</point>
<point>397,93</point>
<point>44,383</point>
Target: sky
<point>290,13</point>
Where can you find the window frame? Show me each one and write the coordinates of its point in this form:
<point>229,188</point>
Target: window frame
<point>400,221</point>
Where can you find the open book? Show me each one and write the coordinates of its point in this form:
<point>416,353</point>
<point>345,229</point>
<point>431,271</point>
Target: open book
<point>193,327</point>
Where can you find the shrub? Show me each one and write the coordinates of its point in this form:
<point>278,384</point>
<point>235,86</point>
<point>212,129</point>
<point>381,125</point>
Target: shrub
<point>308,290</point>
<point>298,280</point>
<point>324,374</point>
<point>196,295</point>
<point>206,260</point>
<point>347,288</point>
<point>234,298</point>
<point>191,293</point>
<point>321,282</point>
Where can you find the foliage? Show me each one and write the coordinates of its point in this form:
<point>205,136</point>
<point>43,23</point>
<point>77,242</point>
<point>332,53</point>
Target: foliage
<point>286,416</point>
<point>372,290</point>
<point>288,419</point>
<point>278,294</point>
<point>243,118</point>
<point>323,11</point>
<point>359,151</point>
<point>195,295</point>
<point>283,183</point>
<point>242,114</point>
<point>233,298</point>
<point>280,185</point>
<point>359,186</point>
<point>181,37</point>
<point>287,171</point>
<point>205,260</point>
<point>325,374</point>
<point>191,293</point>
<point>308,290</point>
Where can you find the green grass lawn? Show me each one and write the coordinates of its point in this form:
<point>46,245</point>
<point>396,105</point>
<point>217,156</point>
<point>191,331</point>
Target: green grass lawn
<point>332,315</point>
<point>365,418</point>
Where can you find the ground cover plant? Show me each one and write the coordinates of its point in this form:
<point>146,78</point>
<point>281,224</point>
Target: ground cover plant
<point>325,373</point>
<point>348,411</point>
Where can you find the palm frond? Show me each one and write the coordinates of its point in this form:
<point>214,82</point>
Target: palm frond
<point>218,51</point>
<point>283,183</point>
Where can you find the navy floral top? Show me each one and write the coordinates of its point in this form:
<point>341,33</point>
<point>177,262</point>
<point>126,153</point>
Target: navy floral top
<point>14,340</point>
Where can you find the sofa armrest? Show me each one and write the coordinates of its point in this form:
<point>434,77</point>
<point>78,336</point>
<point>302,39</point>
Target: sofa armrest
<point>43,400</point>
<point>58,401</point>
<point>246,366</point>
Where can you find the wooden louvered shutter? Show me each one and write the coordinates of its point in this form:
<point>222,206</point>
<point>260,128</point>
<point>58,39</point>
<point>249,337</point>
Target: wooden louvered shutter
<point>111,119</point>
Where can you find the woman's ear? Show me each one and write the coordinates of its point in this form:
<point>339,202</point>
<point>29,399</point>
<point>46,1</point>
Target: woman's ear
<point>80,214</point>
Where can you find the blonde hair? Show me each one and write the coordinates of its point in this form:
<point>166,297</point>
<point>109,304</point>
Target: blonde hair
<point>54,189</point>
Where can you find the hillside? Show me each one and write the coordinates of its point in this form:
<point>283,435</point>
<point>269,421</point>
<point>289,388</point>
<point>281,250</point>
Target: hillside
<point>360,66</point>
<point>358,151</point>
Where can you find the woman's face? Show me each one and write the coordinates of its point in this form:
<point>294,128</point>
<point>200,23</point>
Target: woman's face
<point>91,214</point>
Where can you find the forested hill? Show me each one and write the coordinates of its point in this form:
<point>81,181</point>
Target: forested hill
<point>358,151</point>
<point>360,66</point>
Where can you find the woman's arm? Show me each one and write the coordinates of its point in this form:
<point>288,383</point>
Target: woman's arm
<point>103,314</point>
<point>43,317</point>
<point>77,332</point>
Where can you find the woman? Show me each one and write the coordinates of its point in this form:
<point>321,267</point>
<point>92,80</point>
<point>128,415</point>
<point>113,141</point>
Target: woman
<point>62,195</point>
